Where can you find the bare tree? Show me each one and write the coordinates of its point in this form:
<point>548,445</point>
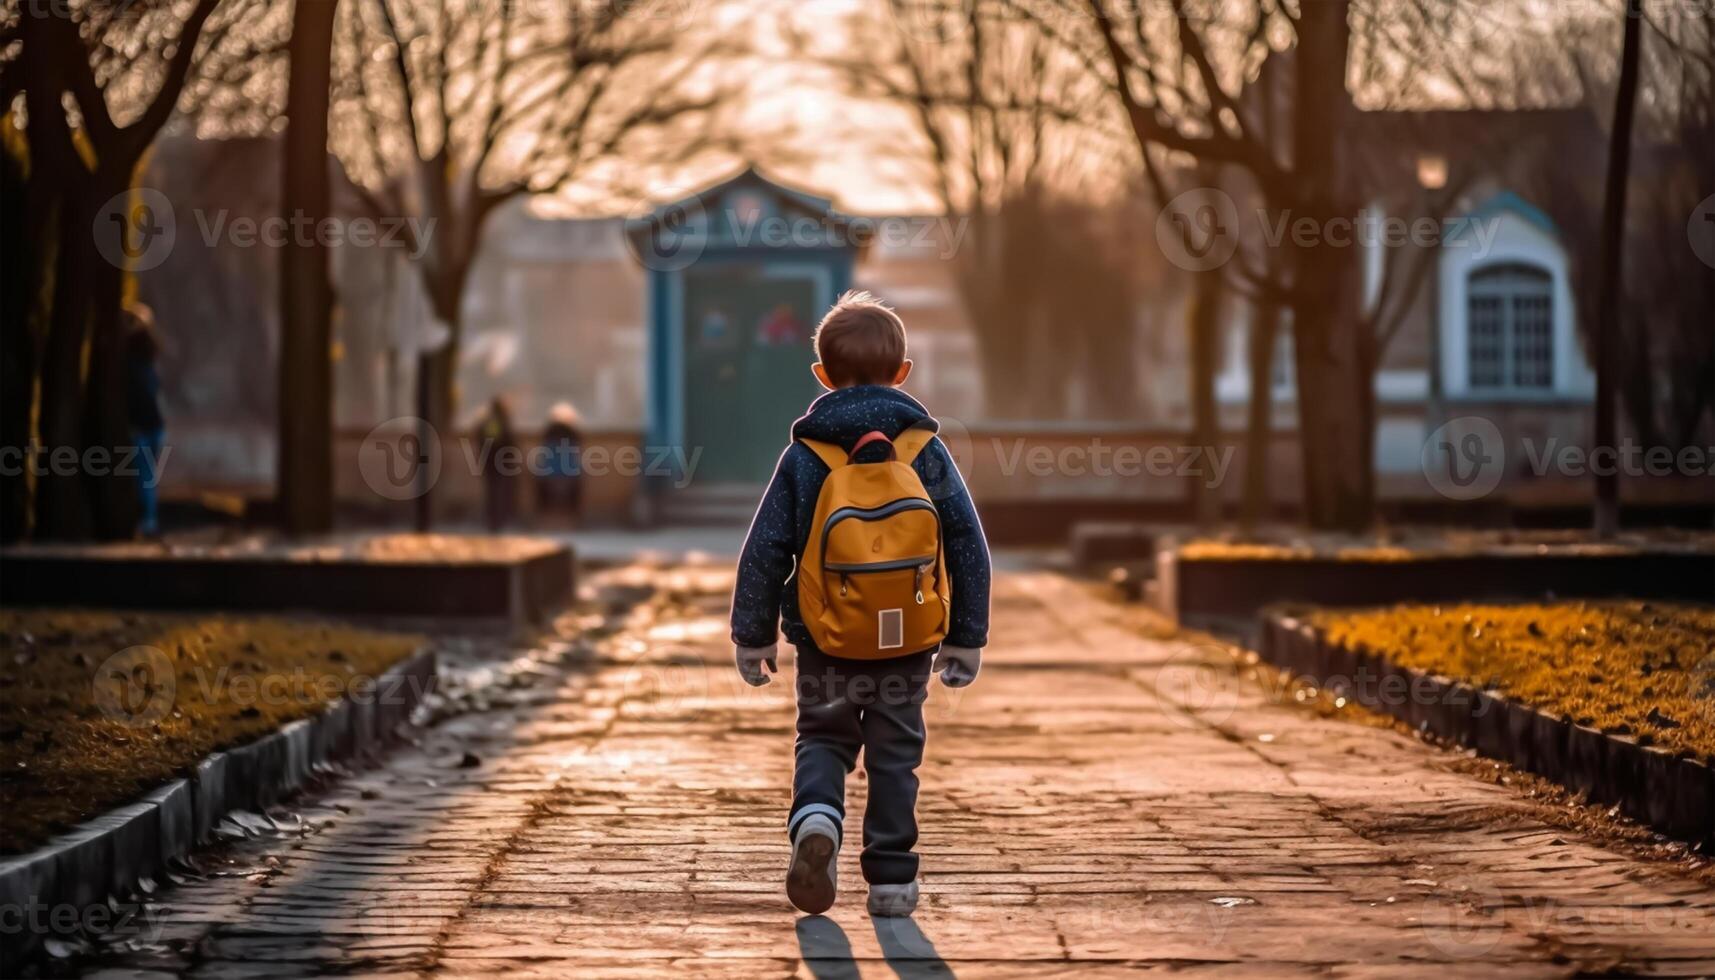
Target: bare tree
<point>446,110</point>
<point>1613,233</point>
<point>87,86</point>
<point>1204,82</point>
<point>1662,360</point>
<point>1007,125</point>
<point>305,410</point>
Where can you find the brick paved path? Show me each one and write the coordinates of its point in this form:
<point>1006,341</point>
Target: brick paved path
<point>1096,804</point>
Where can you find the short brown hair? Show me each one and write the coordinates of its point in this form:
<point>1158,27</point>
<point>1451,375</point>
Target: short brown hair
<point>861,341</point>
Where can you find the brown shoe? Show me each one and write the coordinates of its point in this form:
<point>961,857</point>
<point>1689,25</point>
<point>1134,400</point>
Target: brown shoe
<point>813,880</point>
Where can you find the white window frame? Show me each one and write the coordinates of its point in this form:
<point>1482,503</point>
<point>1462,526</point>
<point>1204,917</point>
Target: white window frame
<point>1509,282</point>
<point>1505,235</point>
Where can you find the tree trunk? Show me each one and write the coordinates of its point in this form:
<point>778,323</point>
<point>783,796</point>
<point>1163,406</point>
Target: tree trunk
<point>305,476</point>
<point>1259,414</point>
<point>427,435</point>
<point>1607,512</point>
<point>1335,388</point>
<point>1203,321</point>
<point>58,179</point>
<point>62,501</point>
<point>26,234</point>
<point>112,494</point>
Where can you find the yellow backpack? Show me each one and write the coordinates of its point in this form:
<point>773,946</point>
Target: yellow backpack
<point>870,582</point>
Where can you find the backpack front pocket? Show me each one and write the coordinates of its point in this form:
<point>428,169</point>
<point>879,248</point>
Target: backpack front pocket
<point>879,576</point>
<point>887,605</point>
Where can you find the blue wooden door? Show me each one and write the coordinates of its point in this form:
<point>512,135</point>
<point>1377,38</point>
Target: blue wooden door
<point>747,366</point>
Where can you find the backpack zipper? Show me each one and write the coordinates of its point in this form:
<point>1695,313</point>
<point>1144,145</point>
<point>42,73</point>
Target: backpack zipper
<point>847,568</point>
<point>876,514</point>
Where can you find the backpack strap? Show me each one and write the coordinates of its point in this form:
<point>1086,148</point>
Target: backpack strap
<point>911,442</point>
<point>829,453</point>
<point>905,447</point>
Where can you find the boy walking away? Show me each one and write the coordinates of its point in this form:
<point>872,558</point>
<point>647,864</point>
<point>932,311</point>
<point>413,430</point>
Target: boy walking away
<point>867,551</point>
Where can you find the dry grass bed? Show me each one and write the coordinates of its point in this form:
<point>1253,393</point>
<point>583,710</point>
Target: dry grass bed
<point>1645,669</point>
<point>97,708</point>
<point>476,549</point>
<point>1411,544</point>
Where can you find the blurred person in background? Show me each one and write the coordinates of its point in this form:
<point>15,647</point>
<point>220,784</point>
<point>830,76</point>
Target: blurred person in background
<point>559,488</point>
<point>499,447</point>
<point>143,412</point>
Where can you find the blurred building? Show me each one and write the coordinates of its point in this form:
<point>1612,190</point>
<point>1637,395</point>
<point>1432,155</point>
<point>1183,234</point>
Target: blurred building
<point>1469,285</point>
<point>712,356</point>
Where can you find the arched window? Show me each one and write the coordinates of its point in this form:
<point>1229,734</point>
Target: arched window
<point>1510,320</point>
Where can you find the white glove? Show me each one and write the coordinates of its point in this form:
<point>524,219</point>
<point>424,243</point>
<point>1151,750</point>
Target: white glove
<point>751,659</point>
<point>957,666</point>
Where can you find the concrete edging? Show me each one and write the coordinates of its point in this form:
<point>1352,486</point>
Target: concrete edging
<point>1218,591</point>
<point>522,590</point>
<point>107,855</point>
<point>1674,794</point>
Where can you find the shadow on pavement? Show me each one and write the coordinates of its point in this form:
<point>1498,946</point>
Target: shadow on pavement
<point>828,953</point>
<point>825,948</point>
<point>908,950</point>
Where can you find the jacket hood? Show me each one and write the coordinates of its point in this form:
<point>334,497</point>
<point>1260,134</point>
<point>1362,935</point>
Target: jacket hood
<point>845,415</point>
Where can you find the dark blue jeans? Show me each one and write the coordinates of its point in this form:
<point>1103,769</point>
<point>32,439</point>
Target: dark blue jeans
<point>148,479</point>
<point>873,705</point>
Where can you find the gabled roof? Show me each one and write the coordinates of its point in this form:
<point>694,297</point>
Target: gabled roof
<point>751,177</point>
<point>1507,201</point>
<point>699,219</point>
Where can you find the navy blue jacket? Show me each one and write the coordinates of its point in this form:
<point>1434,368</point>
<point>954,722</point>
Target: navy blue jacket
<point>781,527</point>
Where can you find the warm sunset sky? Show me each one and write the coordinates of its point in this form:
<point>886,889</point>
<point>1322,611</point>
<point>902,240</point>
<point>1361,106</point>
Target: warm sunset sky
<point>807,131</point>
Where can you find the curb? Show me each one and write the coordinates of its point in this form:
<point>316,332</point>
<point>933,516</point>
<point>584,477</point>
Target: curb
<point>1213,591</point>
<point>1674,794</point>
<point>520,590</point>
<point>107,855</point>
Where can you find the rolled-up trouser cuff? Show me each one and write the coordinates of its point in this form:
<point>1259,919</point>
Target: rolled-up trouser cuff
<point>831,812</point>
<point>889,869</point>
